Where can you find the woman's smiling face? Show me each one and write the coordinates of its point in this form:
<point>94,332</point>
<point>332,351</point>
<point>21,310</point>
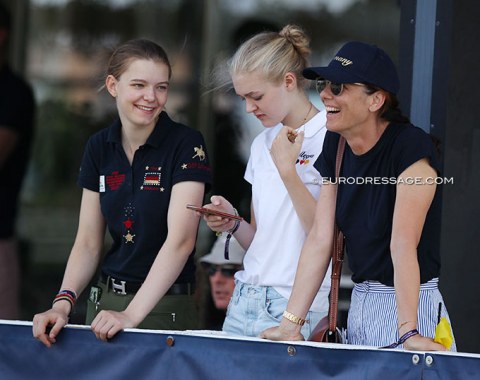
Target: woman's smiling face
<point>141,92</point>
<point>347,110</point>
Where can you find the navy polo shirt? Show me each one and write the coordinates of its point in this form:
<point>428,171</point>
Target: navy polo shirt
<point>17,112</point>
<point>364,212</point>
<point>135,198</point>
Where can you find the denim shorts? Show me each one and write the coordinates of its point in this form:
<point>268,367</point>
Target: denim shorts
<point>254,309</point>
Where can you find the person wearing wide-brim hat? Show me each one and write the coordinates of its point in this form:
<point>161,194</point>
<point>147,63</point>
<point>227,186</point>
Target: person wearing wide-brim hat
<point>221,270</point>
<point>387,206</point>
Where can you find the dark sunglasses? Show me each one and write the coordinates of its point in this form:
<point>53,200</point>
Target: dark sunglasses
<point>226,270</point>
<point>335,88</point>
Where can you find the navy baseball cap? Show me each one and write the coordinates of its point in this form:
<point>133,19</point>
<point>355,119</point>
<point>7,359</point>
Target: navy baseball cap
<point>359,62</point>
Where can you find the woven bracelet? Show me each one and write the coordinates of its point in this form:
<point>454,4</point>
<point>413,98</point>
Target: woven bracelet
<point>403,338</point>
<point>66,295</point>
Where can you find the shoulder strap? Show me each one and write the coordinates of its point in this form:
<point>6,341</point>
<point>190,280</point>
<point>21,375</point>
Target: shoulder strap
<point>337,251</point>
<point>340,151</point>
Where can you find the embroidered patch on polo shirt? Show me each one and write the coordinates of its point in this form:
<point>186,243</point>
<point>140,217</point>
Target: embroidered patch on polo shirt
<point>201,156</point>
<point>128,224</point>
<point>114,180</point>
<point>304,158</point>
<point>199,152</point>
<point>152,179</point>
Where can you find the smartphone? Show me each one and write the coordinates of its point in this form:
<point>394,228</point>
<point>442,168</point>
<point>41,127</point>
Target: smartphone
<point>208,211</point>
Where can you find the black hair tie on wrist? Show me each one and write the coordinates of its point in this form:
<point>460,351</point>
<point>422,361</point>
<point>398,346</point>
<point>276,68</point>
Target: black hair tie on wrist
<point>229,236</point>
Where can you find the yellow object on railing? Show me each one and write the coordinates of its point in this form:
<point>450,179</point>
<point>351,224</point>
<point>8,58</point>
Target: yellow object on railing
<point>443,333</point>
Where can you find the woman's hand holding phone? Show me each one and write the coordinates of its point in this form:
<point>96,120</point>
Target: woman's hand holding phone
<point>210,211</point>
<point>219,218</point>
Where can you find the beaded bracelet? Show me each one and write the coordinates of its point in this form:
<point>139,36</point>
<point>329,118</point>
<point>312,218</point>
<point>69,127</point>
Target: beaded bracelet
<point>403,338</point>
<point>66,295</point>
<point>230,234</point>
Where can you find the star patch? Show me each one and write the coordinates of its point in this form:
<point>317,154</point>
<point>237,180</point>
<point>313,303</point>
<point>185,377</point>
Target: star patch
<point>129,238</point>
<point>128,223</point>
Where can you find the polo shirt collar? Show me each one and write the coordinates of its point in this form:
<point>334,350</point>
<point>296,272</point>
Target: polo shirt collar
<point>158,134</point>
<point>161,130</point>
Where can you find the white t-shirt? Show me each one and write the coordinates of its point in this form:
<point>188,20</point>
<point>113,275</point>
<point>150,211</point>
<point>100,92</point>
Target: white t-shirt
<point>272,258</point>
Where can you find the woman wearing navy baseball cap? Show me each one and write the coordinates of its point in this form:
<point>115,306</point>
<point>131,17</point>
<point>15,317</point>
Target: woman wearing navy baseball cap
<point>387,206</point>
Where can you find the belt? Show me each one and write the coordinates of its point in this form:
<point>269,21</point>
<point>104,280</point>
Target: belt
<point>128,287</point>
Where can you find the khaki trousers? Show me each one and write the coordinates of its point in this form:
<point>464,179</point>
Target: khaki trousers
<point>171,313</point>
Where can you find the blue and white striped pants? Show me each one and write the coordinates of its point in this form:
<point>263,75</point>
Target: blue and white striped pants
<point>372,317</point>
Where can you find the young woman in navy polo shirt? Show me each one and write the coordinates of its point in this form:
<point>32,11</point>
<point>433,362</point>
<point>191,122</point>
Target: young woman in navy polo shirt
<point>387,206</point>
<point>137,176</point>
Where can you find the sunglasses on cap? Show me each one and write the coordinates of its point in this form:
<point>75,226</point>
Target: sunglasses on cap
<point>335,88</point>
<point>226,270</point>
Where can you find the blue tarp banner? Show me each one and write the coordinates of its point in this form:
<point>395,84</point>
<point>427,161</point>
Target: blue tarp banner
<point>146,354</point>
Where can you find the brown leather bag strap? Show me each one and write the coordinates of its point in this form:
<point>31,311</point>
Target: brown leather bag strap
<point>337,250</point>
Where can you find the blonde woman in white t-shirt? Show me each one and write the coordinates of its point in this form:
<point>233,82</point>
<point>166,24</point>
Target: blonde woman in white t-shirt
<point>266,72</point>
